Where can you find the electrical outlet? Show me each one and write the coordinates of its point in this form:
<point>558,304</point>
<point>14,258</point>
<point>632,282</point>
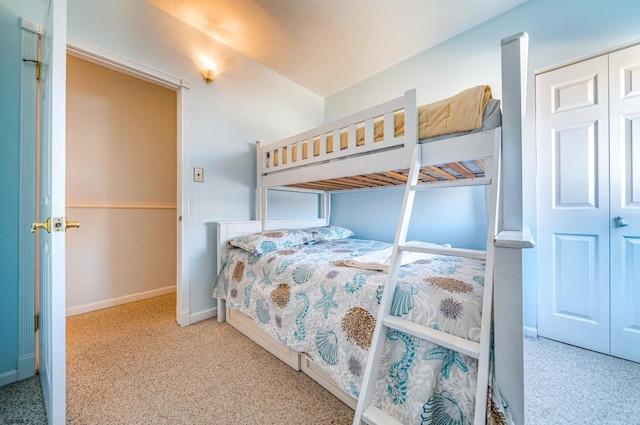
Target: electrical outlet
<point>198,174</point>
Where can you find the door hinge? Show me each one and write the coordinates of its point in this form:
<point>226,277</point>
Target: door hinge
<point>36,322</point>
<point>38,67</point>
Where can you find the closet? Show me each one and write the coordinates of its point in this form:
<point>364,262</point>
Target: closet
<point>588,179</point>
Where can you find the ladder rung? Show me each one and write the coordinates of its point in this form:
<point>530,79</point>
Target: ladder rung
<point>374,416</point>
<point>455,252</point>
<point>461,345</point>
<point>478,181</point>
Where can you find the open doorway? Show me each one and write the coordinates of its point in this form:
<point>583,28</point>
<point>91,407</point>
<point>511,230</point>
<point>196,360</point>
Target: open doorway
<point>180,87</point>
<point>121,185</point>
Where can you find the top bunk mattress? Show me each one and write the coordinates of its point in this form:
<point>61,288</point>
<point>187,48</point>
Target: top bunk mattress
<point>470,111</point>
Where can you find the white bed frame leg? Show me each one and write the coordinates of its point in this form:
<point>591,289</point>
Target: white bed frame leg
<point>222,310</point>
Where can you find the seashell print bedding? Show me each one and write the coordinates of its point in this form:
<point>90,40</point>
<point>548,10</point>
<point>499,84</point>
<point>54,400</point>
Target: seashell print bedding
<point>309,300</point>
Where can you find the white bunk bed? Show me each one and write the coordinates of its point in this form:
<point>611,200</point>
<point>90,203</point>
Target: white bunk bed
<point>354,153</point>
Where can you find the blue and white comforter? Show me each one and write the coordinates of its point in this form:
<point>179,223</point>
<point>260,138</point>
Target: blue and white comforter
<point>309,300</point>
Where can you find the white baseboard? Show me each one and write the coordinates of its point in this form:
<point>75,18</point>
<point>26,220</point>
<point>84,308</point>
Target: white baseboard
<point>72,311</point>
<point>530,332</point>
<point>203,315</point>
<point>9,377</point>
<point>184,318</point>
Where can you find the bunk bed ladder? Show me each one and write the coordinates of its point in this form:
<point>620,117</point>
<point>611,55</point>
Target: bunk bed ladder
<point>366,412</point>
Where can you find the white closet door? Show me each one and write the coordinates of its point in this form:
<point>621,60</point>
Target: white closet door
<point>573,204</point>
<point>624,73</point>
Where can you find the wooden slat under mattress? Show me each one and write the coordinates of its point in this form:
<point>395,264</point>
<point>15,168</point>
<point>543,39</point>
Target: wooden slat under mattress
<point>430,173</point>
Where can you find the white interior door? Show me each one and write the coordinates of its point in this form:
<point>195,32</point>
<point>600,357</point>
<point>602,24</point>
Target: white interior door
<point>588,132</point>
<point>573,204</point>
<point>52,205</point>
<point>624,71</point>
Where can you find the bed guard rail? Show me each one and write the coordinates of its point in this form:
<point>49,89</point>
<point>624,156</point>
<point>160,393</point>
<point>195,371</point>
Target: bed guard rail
<point>352,135</point>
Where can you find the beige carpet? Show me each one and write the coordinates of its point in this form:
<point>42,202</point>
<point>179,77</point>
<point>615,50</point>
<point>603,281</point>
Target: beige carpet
<point>133,364</point>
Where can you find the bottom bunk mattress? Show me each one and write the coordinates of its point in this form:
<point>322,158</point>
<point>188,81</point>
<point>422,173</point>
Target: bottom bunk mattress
<point>307,297</point>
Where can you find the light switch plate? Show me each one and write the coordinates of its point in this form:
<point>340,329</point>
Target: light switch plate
<point>198,174</point>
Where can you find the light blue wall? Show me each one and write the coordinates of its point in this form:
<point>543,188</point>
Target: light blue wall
<point>559,30</point>
<point>10,69</point>
<point>245,102</point>
<point>9,190</point>
<point>439,216</point>
<point>284,205</point>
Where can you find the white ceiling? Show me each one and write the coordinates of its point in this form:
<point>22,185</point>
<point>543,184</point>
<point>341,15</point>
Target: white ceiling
<point>329,45</point>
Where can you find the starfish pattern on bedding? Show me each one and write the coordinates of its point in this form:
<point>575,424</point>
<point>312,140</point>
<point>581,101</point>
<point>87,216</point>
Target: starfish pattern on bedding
<point>327,301</point>
<point>449,359</point>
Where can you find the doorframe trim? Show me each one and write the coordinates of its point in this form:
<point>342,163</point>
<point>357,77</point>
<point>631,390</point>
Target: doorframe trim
<point>181,86</point>
<point>585,57</point>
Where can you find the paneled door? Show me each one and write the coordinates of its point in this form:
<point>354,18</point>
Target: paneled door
<point>588,136</point>
<point>573,204</point>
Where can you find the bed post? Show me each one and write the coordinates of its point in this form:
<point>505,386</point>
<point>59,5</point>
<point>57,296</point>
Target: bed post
<point>410,124</point>
<point>261,193</point>
<point>514,234</point>
<point>514,82</point>
<point>221,303</point>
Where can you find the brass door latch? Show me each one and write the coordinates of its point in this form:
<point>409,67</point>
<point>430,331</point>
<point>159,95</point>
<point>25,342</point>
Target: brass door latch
<point>57,224</point>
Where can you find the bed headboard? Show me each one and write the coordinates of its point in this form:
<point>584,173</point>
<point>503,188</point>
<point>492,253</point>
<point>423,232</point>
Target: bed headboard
<point>230,229</point>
